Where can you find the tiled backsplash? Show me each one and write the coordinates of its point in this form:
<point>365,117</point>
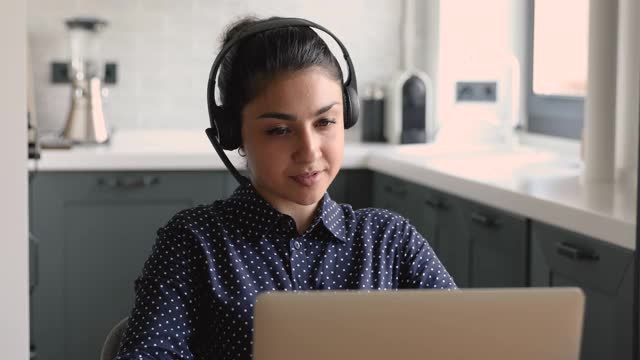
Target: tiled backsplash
<point>164,50</point>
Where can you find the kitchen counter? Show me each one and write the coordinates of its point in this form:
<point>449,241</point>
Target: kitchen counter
<point>532,182</point>
<point>161,150</point>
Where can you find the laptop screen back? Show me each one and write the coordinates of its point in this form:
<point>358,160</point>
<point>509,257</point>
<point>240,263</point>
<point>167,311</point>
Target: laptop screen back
<point>527,323</point>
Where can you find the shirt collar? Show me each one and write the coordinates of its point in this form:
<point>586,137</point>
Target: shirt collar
<point>329,213</point>
<point>332,217</point>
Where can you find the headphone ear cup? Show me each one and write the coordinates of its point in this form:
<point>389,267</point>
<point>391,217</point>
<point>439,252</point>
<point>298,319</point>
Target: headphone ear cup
<point>352,107</point>
<point>228,138</point>
<point>234,138</point>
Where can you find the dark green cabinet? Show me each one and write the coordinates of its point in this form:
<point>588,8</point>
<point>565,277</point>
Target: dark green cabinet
<point>352,186</point>
<point>497,248</point>
<point>395,194</point>
<point>603,271</point>
<point>480,246</point>
<point>441,220</point>
<point>97,228</point>
<point>95,231</point>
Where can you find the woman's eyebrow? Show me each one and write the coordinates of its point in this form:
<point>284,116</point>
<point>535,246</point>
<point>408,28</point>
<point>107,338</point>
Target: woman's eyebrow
<point>325,108</point>
<point>283,116</point>
<point>277,115</point>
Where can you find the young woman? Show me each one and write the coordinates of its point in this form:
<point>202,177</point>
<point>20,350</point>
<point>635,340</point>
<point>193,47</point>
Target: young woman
<point>280,232</point>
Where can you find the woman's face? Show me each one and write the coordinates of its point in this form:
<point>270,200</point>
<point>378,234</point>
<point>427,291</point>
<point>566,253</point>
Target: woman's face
<point>293,135</point>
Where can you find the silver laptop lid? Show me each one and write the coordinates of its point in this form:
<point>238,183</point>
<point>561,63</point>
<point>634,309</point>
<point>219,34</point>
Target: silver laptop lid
<point>524,323</point>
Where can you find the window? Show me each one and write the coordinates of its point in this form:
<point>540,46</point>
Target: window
<point>557,74</point>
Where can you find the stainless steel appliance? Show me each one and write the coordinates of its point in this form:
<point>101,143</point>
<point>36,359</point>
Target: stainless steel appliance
<point>410,109</point>
<point>85,121</point>
<point>409,100</point>
<point>372,111</point>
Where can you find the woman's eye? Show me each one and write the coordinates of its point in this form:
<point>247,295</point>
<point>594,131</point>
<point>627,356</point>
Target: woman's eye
<point>278,131</point>
<point>326,122</point>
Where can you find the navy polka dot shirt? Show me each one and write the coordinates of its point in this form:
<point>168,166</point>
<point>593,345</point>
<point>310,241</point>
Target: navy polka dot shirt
<point>195,296</point>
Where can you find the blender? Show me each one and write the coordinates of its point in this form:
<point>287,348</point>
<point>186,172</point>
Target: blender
<point>85,120</point>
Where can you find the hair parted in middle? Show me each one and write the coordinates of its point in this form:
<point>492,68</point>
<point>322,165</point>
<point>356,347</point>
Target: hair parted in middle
<point>249,66</point>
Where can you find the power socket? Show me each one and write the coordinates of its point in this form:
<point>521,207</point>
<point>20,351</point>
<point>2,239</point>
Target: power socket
<point>110,73</point>
<point>476,91</point>
<point>60,73</point>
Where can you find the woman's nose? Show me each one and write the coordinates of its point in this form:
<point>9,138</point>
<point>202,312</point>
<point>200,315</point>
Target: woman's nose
<point>308,147</point>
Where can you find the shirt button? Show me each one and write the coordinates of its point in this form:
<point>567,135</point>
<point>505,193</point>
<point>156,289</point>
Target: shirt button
<point>296,244</point>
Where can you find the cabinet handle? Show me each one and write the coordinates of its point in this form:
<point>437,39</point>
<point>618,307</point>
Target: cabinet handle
<point>436,204</point>
<point>36,260</point>
<point>128,183</point>
<point>392,191</point>
<point>484,220</point>
<point>576,253</point>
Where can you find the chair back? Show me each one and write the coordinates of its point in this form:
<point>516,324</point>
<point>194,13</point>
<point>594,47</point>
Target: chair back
<point>111,344</point>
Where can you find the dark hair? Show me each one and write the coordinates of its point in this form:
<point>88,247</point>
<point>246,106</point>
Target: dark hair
<point>250,65</point>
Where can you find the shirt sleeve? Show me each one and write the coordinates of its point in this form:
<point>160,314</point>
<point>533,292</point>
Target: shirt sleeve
<point>161,325</point>
<point>422,268</point>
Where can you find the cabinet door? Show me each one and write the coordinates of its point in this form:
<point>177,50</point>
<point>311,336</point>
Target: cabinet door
<point>338,188</point>
<point>394,194</point>
<point>498,243</point>
<point>603,271</point>
<point>353,187</point>
<point>439,217</point>
<point>443,224</point>
<point>95,231</point>
<point>431,204</point>
<point>358,188</point>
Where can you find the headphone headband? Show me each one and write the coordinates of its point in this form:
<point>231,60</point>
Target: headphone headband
<point>262,26</point>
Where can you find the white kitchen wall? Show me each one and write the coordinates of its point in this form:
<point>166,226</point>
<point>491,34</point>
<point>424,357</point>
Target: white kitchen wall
<point>478,41</point>
<point>14,266</point>
<point>164,50</point>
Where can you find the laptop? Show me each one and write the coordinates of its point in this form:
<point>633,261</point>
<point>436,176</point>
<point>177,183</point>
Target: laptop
<point>523,323</point>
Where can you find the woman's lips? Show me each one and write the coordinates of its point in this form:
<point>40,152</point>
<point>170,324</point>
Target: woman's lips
<point>307,179</point>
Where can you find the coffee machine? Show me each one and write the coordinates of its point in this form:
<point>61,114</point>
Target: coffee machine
<point>85,120</point>
<point>409,107</point>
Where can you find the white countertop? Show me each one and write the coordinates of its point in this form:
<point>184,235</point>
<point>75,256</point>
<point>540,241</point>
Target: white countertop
<point>534,183</point>
<point>160,150</point>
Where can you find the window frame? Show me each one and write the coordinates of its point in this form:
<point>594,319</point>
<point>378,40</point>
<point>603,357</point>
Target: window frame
<point>553,115</point>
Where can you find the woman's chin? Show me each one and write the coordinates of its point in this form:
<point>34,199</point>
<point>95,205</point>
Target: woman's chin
<point>308,196</point>
<point>297,192</point>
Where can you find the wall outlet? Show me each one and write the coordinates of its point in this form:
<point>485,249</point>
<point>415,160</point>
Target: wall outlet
<point>476,91</point>
<point>110,73</point>
<point>60,73</point>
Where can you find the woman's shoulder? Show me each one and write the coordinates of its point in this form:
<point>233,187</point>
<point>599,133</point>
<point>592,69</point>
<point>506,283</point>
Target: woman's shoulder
<point>196,215</point>
<point>372,216</point>
<point>377,224</point>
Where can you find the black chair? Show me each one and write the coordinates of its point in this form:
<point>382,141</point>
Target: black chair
<point>112,343</point>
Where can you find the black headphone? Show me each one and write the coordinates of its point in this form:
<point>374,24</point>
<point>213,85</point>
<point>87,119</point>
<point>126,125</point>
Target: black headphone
<point>223,134</point>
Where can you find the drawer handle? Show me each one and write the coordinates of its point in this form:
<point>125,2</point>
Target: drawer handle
<point>129,183</point>
<point>484,220</point>
<point>575,253</point>
<point>392,191</point>
<point>436,204</point>
<point>35,246</point>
